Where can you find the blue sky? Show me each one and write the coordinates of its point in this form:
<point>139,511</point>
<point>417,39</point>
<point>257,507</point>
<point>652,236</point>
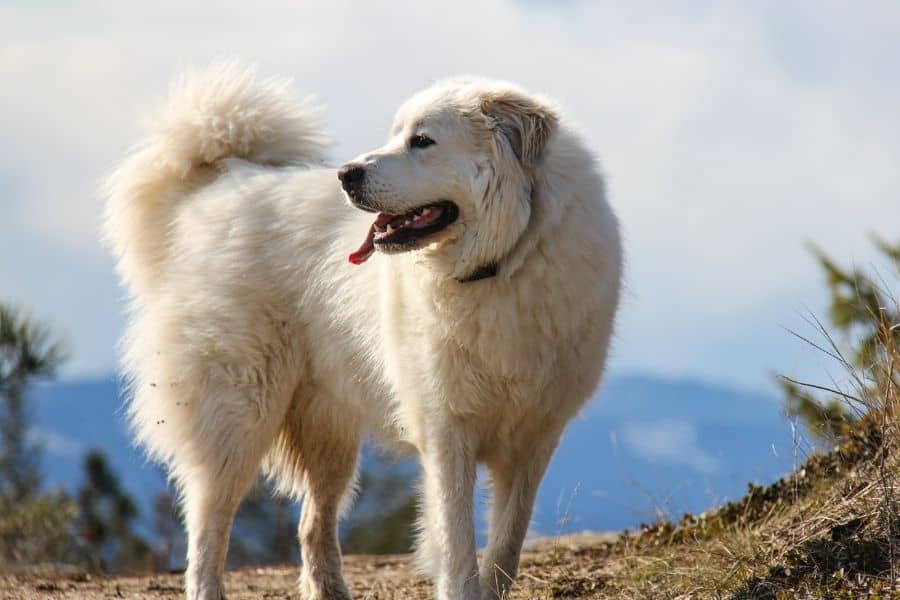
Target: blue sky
<point>732,134</point>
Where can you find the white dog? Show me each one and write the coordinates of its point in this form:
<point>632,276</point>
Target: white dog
<point>476,329</point>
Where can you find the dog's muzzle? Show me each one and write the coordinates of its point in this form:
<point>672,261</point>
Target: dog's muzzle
<point>353,178</point>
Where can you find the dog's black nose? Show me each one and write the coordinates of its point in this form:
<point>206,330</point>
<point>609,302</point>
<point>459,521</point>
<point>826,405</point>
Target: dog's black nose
<point>351,176</point>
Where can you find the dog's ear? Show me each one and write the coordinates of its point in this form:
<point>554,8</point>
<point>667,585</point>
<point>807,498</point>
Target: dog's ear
<point>526,122</point>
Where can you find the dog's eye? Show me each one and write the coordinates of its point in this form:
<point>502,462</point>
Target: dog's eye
<point>420,141</point>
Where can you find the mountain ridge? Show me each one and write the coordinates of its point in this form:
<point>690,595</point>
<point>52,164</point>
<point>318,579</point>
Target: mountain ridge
<point>644,447</point>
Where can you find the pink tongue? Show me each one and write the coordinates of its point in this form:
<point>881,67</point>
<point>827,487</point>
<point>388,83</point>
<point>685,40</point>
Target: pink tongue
<point>363,253</point>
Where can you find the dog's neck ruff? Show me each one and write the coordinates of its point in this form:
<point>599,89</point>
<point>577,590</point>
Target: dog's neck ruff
<point>483,272</point>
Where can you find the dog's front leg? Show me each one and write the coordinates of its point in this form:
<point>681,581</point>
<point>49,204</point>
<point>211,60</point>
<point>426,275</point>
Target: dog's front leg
<point>516,474</point>
<point>447,546</point>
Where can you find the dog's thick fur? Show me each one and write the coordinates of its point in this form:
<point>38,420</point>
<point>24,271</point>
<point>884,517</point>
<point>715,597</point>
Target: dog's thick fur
<point>253,343</point>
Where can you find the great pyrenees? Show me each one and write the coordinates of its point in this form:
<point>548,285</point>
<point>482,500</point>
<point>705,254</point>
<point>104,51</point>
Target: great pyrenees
<point>470,323</point>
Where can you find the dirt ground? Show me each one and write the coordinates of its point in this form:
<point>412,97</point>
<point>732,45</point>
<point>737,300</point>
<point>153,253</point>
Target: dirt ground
<point>562,567</point>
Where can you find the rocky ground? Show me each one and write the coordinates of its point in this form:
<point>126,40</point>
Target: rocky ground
<point>551,568</point>
<point>829,530</point>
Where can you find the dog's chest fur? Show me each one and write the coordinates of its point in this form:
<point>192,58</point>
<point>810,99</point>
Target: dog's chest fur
<point>492,352</point>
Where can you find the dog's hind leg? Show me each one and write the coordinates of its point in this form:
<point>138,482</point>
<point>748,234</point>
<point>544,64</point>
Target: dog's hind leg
<point>328,477</point>
<point>230,434</point>
<point>315,455</point>
<point>515,477</point>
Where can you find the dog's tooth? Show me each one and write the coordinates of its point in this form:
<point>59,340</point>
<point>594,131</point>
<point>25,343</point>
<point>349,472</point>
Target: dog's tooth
<point>406,222</point>
<point>389,229</point>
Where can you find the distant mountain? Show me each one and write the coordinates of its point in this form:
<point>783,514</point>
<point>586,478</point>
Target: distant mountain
<point>645,446</point>
<point>74,416</point>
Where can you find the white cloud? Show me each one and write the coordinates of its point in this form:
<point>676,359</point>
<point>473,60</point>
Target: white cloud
<point>673,442</point>
<point>731,133</point>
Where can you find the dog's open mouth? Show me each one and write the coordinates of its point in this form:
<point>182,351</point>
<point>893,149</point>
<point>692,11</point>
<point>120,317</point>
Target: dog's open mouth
<point>397,231</point>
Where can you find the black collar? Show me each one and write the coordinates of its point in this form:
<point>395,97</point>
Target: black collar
<point>482,272</point>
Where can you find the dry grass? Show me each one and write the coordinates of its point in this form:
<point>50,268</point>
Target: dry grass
<point>829,530</point>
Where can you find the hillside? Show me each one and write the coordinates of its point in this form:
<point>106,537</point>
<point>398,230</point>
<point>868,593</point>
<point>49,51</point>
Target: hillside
<point>829,530</point>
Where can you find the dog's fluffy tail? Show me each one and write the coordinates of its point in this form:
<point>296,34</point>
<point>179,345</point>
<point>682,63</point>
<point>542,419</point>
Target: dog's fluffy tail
<point>222,112</point>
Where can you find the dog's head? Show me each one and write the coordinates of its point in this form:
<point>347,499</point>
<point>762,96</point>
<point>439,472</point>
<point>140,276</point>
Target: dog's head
<point>456,174</point>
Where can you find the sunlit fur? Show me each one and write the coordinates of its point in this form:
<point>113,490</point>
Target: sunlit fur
<point>253,342</point>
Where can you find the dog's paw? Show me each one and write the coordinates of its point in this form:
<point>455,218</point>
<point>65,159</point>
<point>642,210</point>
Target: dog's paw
<point>493,588</point>
<point>206,591</point>
<point>330,588</point>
